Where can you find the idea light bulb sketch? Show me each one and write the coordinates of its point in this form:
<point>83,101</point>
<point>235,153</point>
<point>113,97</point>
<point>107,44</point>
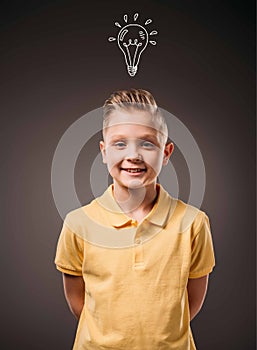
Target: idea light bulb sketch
<point>133,39</point>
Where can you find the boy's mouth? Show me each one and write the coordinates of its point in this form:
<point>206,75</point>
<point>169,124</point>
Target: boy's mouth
<point>134,170</point>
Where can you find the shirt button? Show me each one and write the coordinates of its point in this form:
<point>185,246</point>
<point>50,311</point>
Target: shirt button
<point>138,241</point>
<point>134,222</point>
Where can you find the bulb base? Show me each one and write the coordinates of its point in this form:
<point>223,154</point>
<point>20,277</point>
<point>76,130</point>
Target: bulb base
<point>132,70</point>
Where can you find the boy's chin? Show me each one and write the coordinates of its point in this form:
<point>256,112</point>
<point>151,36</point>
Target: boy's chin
<point>134,184</point>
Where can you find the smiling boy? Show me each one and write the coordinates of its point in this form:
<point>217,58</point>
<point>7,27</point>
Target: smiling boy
<point>142,287</point>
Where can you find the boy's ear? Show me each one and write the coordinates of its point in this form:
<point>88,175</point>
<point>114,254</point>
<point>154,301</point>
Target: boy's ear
<point>102,149</point>
<point>168,149</point>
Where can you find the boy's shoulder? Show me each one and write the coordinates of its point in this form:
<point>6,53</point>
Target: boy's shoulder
<point>92,216</point>
<point>187,216</point>
<point>81,214</point>
<point>97,207</point>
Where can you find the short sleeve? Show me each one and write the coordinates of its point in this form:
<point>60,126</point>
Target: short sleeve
<point>69,252</point>
<point>202,252</point>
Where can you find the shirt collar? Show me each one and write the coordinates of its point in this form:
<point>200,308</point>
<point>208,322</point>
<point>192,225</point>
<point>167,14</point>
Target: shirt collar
<point>157,216</point>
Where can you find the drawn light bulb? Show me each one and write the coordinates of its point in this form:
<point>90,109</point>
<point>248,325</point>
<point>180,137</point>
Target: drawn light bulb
<point>133,39</point>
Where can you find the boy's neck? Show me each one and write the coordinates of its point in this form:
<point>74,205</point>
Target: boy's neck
<point>136,203</point>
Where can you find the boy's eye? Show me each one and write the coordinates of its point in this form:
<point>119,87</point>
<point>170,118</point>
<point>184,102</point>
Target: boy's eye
<point>147,144</point>
<point>120,144</point>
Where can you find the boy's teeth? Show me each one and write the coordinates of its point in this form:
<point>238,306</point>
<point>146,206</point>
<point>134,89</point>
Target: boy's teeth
<point>134,170</point>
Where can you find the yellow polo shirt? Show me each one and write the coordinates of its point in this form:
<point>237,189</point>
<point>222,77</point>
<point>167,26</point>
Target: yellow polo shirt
<point>135,274</point>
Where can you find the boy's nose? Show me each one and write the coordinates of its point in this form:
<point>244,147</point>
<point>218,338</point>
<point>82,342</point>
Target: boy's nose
<point>134,155</point>
<point>135,158</point>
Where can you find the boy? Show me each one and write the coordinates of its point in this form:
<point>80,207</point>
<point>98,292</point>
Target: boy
<point>135,261</point>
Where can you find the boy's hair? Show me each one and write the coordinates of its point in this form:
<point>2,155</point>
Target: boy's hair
<point>137,99</point>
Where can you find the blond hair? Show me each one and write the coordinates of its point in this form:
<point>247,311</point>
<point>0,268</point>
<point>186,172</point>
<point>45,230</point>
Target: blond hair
<point>137,99</point>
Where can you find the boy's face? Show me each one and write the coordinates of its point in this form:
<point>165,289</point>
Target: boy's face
<point>133,149</point>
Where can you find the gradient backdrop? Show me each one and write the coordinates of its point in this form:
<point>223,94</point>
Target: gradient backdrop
<point>57,65</point>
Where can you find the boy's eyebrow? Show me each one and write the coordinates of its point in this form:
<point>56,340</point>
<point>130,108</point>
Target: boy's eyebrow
<point>143,137</point>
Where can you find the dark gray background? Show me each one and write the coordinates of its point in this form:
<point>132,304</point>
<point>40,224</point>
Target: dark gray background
<point>57,65</point>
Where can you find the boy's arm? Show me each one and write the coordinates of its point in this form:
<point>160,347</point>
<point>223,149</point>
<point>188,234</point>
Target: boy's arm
<point>196,289</point>
<point>74,290</point>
